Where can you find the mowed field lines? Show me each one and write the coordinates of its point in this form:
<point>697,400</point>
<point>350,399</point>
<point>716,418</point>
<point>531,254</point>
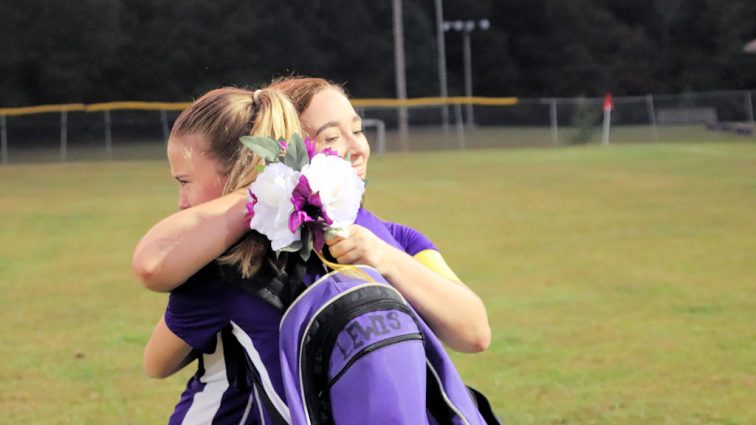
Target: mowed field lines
<point>620,281</point>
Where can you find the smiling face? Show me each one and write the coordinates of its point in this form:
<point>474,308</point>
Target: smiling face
<point>331,121</point>
<point>196,171</point>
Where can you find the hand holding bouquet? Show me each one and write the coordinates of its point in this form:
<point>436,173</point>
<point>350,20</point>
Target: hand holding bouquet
<point>301,197</point>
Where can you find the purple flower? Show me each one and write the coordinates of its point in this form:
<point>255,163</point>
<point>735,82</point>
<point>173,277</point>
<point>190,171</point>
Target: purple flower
<point>309,211</point>
<point>312,149</point>
<point>283,145</point>
<point>310,146</point>
<point>251,204</point>
<point>329,152</point>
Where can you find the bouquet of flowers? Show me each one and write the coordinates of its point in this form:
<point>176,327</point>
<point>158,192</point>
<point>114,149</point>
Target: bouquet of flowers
<point>301,197</point>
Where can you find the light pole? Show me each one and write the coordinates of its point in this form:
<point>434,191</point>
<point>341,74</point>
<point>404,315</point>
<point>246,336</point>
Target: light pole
<point>399,71</point>
<point>750,48</point>
<point>466,27</point>
<point>443,90</point>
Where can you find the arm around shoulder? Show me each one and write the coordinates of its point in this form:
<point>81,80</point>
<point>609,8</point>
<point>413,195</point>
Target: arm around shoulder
<point>451,309</point>
<point>454,311</point>
<point>184,242</point>
<point>165,353</point>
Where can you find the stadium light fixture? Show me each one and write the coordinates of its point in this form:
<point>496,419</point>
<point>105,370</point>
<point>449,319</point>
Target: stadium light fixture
<point>750,47</point>
<point>467,27</point>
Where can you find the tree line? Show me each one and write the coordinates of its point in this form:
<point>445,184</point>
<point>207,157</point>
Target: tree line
<point>104,50</point>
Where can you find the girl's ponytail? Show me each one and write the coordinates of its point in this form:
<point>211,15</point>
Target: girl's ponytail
<point>274,116</point>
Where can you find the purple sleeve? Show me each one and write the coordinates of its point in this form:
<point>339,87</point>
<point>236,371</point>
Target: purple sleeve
<point>196,312</point>
<point>410,239</point>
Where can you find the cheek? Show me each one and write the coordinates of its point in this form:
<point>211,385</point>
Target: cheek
<point>212,190</point>
<point>342,147</point>
<point>365,146</point>
<point>207,191</point>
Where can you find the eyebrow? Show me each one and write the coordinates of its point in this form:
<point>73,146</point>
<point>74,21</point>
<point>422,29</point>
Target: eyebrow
<point>335,124</point>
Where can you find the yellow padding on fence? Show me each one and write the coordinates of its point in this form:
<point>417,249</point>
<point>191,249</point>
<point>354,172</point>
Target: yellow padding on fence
<point>42,109</point>
<point>179,106</point>
<point>433,101</point>
<point>134,105</point>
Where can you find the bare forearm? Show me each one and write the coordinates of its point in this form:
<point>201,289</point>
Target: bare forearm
<point>165,353</point>
<point>181,244</point>
<point>454,312</point>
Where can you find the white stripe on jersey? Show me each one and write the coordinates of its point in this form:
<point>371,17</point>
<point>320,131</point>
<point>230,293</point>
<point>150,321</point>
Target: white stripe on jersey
<point>247,409</point>
<point>206,403</point>
<point>254,356</point>
<point>259,406</point>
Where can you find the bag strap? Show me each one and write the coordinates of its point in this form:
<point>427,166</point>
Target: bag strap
<point>278,287</point>
<point>484,407</point>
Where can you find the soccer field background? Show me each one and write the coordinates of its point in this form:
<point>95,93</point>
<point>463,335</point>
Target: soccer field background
<point>620,281</point>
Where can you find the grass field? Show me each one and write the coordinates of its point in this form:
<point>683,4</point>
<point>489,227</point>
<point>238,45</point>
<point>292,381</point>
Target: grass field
<point>620,281</point>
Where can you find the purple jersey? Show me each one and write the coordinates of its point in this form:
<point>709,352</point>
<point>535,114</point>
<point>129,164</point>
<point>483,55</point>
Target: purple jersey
<point>400,236</point>
<point>203,311</point>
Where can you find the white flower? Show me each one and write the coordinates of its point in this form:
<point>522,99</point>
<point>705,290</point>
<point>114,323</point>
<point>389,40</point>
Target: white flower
<point>273,188</point>
<point>339,186</point>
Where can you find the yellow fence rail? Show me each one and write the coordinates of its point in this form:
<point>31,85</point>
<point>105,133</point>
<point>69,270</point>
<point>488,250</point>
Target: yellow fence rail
<point>163,107</point>
<point>179,106</point>
<point>95,107</point>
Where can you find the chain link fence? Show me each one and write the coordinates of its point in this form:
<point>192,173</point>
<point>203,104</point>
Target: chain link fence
<point>120,133</point>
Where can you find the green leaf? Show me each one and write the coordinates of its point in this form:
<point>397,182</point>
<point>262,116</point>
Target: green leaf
<point>295,246</point>
<point>305,252</point>
<point>265,147</point>
<point>306,249</point>
<point>260,168</point>
<point>296,154</point>
<point>348,157</point>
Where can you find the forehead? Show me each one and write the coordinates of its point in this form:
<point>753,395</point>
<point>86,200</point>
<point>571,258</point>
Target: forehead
<point>328,105</point>
<point>187,151</point>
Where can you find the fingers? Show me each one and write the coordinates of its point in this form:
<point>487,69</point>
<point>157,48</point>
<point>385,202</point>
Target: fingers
<point>340,248</point>
<point>330,241</point>
<point>352,249</point>
<point>349,257</point>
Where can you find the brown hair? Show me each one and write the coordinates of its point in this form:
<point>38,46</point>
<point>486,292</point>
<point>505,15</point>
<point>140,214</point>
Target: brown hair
<point>223,116</point>
<point>301,90</point>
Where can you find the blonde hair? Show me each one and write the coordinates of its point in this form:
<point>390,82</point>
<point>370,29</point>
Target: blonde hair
<point>224,115</point>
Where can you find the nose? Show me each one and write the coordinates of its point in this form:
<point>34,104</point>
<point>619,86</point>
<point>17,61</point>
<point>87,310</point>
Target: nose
<point>356,146</point>
<point>183,202</point>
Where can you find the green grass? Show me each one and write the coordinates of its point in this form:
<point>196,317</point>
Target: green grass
<point>620,281</point>
<point>421,138</point>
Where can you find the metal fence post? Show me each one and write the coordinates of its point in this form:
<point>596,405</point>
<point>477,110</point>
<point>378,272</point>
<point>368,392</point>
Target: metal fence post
<point>652,116</point>
<point>3,140</point>
<point>460,125</point>
<point>380,128</point>
<point>749,110</point>
<point>554,122</point>
<point>164,122</point>
<point>64,136</point>
<point>108,137</point>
